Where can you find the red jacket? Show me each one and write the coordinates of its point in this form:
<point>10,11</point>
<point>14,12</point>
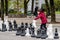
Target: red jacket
<point>42,16</point>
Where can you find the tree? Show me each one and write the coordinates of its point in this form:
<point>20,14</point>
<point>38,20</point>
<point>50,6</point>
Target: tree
<point>25,7</point>
<point>47,7</point>
<point>2,10</point>
<point>52,11</point>
<point>17,6</point>
<point>32,6</point>
<point>57,4</point>
<point>6,7</point>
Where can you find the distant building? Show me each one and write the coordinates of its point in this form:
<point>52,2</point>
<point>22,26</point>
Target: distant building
<point>36,3</point>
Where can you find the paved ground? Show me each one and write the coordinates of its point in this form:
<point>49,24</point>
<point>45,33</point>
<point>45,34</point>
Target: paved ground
<point>12,35</point>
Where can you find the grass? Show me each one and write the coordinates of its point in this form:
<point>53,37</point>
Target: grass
<point>57,12</point>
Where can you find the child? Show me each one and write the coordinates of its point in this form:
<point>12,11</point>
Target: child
<point>42,16</point>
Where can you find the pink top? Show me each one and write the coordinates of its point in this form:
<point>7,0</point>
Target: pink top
<point>42,16</point>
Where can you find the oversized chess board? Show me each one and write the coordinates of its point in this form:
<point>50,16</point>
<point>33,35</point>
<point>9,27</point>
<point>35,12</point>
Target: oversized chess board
<point>11,35</point>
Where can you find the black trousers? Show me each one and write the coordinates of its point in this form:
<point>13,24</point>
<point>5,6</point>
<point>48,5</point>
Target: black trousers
<point>43,26</point>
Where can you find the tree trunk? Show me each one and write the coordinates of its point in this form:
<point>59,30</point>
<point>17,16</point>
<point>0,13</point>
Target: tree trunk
<point>32,6</point>
<point>17,6</point>
<point>47,8</point>
<point>6,7</point>
<point>2,10</point>
<point>25,8</point>
<point>52,11</point>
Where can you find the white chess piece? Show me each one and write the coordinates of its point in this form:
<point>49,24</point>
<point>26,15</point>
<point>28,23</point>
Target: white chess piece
<point>34,25</point>
<point>6,23</point>
<point>1,24</point>
<point>50,31</point>
<point>27,32</point>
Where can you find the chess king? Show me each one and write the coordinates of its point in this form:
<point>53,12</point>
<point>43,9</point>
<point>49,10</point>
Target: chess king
<point>41,15</point>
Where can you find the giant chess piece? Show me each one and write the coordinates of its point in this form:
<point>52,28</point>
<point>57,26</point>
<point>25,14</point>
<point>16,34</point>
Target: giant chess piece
<point>15,25</point>
<point>26,26</point>
<point>27,29</point>
<point>30,27</point>
<point>27,32</point>
<point>4,27</point>
<point>33,32</point>
<point>38,33</point>
<point>22,29</point>
<point>1,24</point>
<point>56,34</point>
<point>18,31</point>
<point>50,31</point>
<point>10,26</point>
<point>43,33</point>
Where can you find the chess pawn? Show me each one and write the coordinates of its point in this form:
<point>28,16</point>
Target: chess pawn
<point>22,29</point>
<point>56,34</point>
<point>38,33</point>
<point>26,26</point>
<point>15,25</point>
<point>10,26</point>
<point>18,31</point>
<point>3,27</point>
<point>27,32</point>
<point>33,32</point>
<point>30,27</point>
<point>1,24</point>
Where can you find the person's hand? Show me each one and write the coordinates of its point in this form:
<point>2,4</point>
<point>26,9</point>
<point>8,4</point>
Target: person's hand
<point>34,23</point>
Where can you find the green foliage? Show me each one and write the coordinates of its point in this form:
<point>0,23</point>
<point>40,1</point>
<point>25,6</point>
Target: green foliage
<point>12,6</point>
<point>57,12</point>
<point>57,4</point>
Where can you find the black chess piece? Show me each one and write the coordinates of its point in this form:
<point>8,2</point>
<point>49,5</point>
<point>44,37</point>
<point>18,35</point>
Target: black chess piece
<point>56,34</point>
<point>30,27</point>
<point>38,33</point>
<point>4,27</point>
<point>15,25</point>
<point>33,32</point>
<point>22,29</point>
<point>10,26</point>
<point>43,33</point>
<point>26,26</point>
<point>0,29</point>
<point>18,31</point>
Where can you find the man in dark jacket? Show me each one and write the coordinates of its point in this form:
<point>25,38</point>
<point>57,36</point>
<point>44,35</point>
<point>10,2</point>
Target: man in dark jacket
<point>35,12</point>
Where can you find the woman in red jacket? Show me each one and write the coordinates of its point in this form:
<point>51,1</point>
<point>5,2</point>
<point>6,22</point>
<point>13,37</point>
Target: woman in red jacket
<point>42,16</point>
